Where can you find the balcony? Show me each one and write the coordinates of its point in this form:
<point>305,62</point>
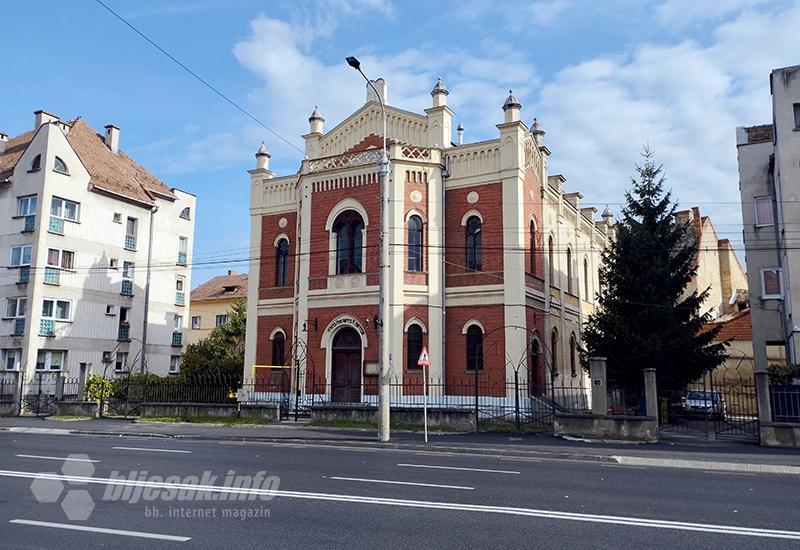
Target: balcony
<point>130,242</point>
<point>181,258</point>
<point>30,224</point>
<point>52,275</point>
<point>180,299</point>
<point>24,274</point>
<point>124,334</point>
<point>56,226</point>
<point>127,287</point>
<point>19,326</point>
<point>47,327</point>
<point>177,339</point>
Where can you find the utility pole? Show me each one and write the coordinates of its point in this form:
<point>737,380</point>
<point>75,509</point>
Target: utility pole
<point>383,285</point>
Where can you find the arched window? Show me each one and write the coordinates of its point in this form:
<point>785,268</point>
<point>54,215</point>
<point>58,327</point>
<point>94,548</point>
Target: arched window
<point>349,229</point>
<point>186,213</point>
<point>573,369</point>
<point>60,166</point>
<point>414,243</point>
<point>550,262</point>
<point>281,263</point>
<point>474,348</point>
<point>569,270</point>
<point>533,247</point>
<point>278,349</point>
<point>474,249</point>
<point>586,279</point>
<point>554,350</point>
<point>413,346</point>
<point>36,164</point>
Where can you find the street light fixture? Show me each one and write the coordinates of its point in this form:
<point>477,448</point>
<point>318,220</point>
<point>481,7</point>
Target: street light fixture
<point>383,348</point>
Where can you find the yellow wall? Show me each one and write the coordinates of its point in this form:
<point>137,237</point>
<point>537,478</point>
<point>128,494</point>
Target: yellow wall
<point>207,310</point>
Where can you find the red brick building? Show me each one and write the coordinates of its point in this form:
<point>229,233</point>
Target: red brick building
<point>492,266</point>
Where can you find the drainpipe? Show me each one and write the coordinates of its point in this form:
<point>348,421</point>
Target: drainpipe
<point>143,361</point>
<point>445,175</point>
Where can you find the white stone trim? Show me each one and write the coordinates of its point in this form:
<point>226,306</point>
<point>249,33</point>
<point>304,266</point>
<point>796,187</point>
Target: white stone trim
<point>468,214</point>
<point>279,237</point>
<point>346,204</point>
<point>415,321</point>
<point>471,322</point>
<point>330,331</point>
<point>275,331</point>
<point>416,212</point>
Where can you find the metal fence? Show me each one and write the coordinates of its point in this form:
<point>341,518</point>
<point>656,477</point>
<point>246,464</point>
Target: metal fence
<point>785,403</point>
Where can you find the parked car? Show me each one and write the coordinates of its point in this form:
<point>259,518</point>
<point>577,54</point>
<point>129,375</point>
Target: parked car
<point>704,402</point>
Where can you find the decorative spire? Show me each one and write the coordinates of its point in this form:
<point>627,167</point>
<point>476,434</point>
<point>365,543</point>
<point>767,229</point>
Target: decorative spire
<point>263,151</point>
<point>439,88</point>
<point>536,128</point>
<point>511,102</point>
<point>316,115</point>
<point>460,132</point>
<point>608,215</point>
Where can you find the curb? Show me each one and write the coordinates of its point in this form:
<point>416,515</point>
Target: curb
<point>707,465</point>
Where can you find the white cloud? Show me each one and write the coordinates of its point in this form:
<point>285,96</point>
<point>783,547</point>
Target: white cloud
<point>687,13</point>
<point>546,11</point>
<point>684,100</point>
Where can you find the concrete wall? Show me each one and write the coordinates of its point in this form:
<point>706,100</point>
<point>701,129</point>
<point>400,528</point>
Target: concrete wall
<point>194,410</point>
<point>775,434</point>
<point>444,419</point>
<point>76,408</point>
<point>630,428</point>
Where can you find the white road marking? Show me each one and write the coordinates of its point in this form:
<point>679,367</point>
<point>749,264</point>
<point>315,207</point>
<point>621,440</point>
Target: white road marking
<point>150,449</point>
<point>59,458</point>
<point>457,468</point>
<point>391,482</point>
<point>73,527</point>
<point>450,506</point>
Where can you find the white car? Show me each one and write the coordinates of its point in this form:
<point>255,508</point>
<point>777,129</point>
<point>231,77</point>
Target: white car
<point>704,402</point>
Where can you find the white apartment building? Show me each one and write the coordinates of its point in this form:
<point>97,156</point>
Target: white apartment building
<point>81,222</point>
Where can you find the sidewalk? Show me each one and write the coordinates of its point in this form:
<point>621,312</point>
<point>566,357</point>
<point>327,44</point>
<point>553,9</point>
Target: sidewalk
<point>687,453</point>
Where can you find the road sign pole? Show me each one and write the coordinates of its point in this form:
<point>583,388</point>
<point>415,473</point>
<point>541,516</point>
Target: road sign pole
<point>425,400</point>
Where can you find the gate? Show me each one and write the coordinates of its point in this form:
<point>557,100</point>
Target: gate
<point>723,404</point>
<point>39,394</point>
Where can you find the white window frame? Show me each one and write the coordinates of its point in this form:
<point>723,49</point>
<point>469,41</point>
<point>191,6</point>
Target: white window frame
<point>55,308</point>
<point>121,366</point>
<point>60,264</point>
<point>198,318</point>
<point>174,364</point>
<point>62,215</point>
<point>111,309</point>
<point>27,200</point>
<point>764,295</point>
<point>128,269</point>
<point>771,212</point>
<point>17,356</point>
<point>22,261</point>
<point>48,359</point>
<point>17,300</point>
<point>178,323</point>
<point>224,316</point>
<point>180,283</point>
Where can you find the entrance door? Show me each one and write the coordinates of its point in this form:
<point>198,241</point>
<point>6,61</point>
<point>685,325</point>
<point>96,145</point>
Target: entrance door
<point>346,367</point>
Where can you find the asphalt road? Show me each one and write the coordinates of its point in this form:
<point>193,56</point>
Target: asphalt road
<point>134,493</point>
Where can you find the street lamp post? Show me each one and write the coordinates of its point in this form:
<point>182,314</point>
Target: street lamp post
<point>383,286</point>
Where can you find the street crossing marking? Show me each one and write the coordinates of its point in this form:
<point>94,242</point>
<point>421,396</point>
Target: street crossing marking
<point>150,449</point>
<point>392,482</point>
<point>433,505</point>
<point>457,468</point>
<point>59,458</point>
<point>73,527</point>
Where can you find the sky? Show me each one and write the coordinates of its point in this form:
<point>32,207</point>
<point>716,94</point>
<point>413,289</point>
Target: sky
<point>603,78</point>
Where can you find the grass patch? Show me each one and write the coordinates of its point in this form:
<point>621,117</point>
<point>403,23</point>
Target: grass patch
<point>360,425</point>
<point>212,420</point>
<point>69,417</point>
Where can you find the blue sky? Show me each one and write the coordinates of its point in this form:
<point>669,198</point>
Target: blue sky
<point>603,78</point>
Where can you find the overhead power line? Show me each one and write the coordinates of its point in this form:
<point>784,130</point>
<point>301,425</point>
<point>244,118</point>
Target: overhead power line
<point>200,78</point>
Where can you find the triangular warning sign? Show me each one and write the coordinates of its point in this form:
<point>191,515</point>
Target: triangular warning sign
<point>424,360</point>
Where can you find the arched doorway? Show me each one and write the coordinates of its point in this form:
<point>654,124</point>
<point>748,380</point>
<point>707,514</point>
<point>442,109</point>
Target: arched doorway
<point>346,367</point>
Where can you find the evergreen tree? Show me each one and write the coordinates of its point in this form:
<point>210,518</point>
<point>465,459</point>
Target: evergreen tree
<point>645,318</point>
<point>221,354</point>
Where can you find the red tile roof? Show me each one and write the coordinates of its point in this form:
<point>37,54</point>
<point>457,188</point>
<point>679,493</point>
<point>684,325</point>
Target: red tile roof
<point>225,287</point>
<point>14,149</point>
<point>759,133</point>
<point>734,327</point>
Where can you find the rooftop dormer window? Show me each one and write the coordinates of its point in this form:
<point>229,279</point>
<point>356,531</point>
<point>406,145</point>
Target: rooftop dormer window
<point>36,164</point>
<point>60,167</point>
<point>232,288</point>
<point>186,213</point>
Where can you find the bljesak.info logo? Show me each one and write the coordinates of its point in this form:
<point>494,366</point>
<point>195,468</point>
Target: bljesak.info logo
<point>208,495</point>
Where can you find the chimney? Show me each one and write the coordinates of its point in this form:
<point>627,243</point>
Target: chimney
<point>231,273</point>
<point>112,138</point>
<point>43,117</point>
<point>460,131</point>
<point>380,85</point>
<point>3,142</point>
